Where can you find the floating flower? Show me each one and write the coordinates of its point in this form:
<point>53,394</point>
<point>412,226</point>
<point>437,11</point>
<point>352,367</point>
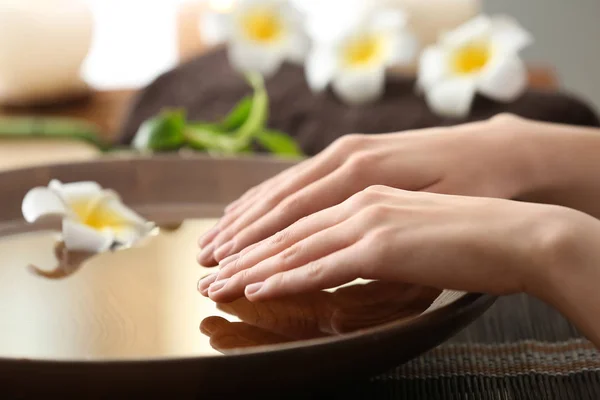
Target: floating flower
<point>354,52</point>
<point>93,219</point>
<point>478,56</point>
<point>261,34</point>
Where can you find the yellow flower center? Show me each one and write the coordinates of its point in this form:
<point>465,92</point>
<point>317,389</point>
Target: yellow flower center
<point>262,25</point>
<point>95,216</point>
<point>363,50</point>
<point>471,58</point>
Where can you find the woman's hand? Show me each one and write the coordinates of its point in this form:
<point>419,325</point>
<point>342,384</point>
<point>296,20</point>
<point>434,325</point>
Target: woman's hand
<point>442,241</point>
<point>487,158</point>
<point>447,242</point>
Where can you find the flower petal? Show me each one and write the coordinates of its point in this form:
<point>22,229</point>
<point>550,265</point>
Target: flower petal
<point>403,48</point>
<point>214,27</point>
<point>433,67</point>
<point>113,209</point>
<point>451,98</point>
<point>361,85</point>
<point>479,27</point>
<point>321,66</point>
<point>75,191</point>
<point>508,35</point>
<point>41,202</point>
<point>504,79</point>
<point>322,28</point>
<point>78,237</point>
<point>248,57</point>
<point>297,47</point>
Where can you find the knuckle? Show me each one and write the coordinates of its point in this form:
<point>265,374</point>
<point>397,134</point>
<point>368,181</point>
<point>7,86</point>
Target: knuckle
<point>289,253</point>
<point>359,166</point>
<point>376,244</point>
<point>376,213</point>
<point>349,142</point>
<point>291,205</point>
<point>365,198</point>
<point>314,271</point>
<point>240,278</point>
<point>279,238</point>
<point>361,160</point>
<point>376,189</point>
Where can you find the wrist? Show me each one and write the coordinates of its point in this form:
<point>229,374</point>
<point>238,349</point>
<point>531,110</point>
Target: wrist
<point>568,273</point>
<point>523,160</point>
<point>566,248</point>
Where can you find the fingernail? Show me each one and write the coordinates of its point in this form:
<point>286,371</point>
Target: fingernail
<point>208,236</point>
<point>218,285</point>
<point>253,288</point>
<point>207,252</point>
<point>228,260</point>
<point>205,282</point>
<point>224,250</point>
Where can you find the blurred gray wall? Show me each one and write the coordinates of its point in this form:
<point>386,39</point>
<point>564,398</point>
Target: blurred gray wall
<point>567,34</point>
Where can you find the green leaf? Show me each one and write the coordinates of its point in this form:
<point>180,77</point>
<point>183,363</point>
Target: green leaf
<point>212,140</point>
<point>162,133</point>
<point>278,143</point>
<point>238,115</point>
<point>258,112</point>
<point>52,128</point>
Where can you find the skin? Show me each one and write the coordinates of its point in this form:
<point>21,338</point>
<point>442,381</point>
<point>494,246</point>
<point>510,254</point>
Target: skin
<point>428,207</point>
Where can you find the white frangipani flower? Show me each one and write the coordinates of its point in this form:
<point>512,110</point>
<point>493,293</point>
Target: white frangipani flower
<point>354,56</point>
<point>478,56</point>
<point>93,219</point>
<point>260,34</point>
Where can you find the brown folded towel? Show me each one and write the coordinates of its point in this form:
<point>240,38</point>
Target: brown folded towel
<point>208,88</point>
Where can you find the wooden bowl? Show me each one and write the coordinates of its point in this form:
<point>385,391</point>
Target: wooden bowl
<point>135,325</point>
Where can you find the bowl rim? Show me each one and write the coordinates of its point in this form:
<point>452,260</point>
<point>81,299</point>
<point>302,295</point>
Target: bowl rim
<point>468,302</point>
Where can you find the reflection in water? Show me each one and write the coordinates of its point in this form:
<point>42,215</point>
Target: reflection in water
<point>315,315</point>
<point>142,302</point>
<point>68,262</point>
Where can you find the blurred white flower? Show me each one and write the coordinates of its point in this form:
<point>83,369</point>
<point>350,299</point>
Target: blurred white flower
<point>93,219</point>
<point>353,51</point>
<point>260,34</point>
<point>478,56</point>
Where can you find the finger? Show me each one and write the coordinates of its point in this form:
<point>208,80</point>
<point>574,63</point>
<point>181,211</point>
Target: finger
<point>301,253</point>
<point>264,190</point>
<point>205,282</point>
<point>245,201</point>
<point>333,270</point>
<point>225,335</point>
<point>282,240</point>
<point>271,182</point>
<point>236,221</point>
<point>327,192</point>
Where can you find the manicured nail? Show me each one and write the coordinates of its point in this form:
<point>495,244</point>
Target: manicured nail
<point>205,282</point>
<point>253,288</point>
<point>208,236</point>
<point>228,260</point>
<point>206,253</point>
<point>218,285</point>
<point>224,251</point>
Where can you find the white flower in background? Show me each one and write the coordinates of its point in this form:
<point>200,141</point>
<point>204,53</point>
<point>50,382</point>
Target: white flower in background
<point>478,56</point>
<point>93,219</point>
<point>353,52</point>
<point>260,34</point>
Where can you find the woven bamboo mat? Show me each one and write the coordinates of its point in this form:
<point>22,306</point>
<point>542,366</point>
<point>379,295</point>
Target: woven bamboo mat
<point>520,349</point>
